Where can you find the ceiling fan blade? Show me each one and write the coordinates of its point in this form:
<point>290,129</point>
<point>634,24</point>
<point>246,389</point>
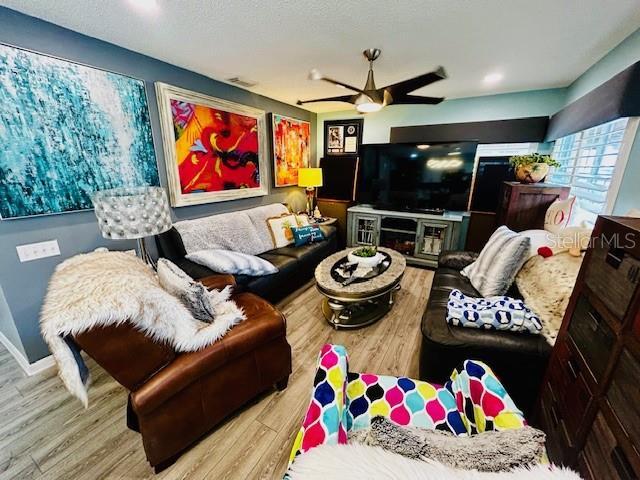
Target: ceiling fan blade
<point>415,83</point>
<point>342,84</point>
<point>416,100</point>
<point>343,98</point>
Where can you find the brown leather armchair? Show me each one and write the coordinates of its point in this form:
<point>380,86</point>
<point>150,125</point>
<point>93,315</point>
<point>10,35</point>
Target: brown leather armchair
<point>175,398</point>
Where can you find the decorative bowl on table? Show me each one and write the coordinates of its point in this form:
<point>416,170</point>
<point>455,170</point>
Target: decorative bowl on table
<point>365,256</point>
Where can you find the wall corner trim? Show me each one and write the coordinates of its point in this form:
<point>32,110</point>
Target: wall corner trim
<point>29,368</point>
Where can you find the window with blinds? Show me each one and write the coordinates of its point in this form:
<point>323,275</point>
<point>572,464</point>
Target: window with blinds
<point>588,161</point>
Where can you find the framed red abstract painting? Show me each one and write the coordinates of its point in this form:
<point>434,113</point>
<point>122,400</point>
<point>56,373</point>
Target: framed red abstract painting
<point>214,150</point>
<point>291,149</point>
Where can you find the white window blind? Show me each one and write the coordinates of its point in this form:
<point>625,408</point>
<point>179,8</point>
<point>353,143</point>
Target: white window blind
<point>588,164</point>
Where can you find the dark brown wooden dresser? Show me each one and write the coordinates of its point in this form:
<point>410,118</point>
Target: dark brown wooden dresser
<point>524,205</point>
<point>589,404</point>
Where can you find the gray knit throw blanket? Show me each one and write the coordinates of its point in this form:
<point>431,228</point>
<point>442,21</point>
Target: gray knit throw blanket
<point>492,451</point>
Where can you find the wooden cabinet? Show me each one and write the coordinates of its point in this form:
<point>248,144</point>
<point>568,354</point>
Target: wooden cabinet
<point>336,209</point>
<point>524,205</point>
<point>589,405</point>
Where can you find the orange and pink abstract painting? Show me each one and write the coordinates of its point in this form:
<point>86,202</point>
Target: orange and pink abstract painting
<point>291,149</point>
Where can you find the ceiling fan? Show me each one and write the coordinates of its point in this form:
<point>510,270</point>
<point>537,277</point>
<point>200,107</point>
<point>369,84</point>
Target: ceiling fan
<point>371,99</point>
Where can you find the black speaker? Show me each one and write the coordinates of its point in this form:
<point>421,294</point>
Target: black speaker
<point>339,176</point>
<point>491,172</point>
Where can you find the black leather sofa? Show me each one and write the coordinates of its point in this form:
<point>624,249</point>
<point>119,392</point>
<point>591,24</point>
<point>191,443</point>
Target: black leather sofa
<point>296,265</point>
<point>518,359</point>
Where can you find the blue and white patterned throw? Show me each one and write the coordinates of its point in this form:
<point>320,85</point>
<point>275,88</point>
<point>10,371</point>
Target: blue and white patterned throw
<point>491,313</point>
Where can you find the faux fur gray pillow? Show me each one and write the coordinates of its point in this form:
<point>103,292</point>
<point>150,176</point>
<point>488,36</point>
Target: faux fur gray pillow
<point>192,294</point>
<point>492,451</point>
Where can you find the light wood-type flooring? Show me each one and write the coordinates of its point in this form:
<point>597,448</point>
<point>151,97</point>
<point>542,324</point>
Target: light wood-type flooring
<point>44,433</point>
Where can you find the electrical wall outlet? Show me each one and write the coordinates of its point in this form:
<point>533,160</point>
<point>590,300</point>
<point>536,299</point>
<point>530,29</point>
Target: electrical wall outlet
<point>35,251</point>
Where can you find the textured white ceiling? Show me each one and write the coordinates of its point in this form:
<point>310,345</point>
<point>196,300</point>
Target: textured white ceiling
<point>534,43</point>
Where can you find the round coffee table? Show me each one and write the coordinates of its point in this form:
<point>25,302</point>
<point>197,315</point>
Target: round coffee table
<point>359,303</point>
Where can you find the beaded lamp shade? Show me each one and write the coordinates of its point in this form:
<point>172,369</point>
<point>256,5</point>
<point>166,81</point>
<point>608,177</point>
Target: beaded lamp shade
<point>132,212</point>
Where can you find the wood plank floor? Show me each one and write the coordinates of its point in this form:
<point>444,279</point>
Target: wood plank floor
<point>44,433</point>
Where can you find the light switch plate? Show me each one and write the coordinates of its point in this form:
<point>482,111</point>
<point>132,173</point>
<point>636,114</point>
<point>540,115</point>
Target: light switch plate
<point>35,251</point>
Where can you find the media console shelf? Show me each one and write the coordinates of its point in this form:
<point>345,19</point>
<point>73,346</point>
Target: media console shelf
<point>420,237</point>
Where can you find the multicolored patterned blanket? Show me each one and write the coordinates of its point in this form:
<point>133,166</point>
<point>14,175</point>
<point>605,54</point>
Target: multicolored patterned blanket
<point>472,401</point>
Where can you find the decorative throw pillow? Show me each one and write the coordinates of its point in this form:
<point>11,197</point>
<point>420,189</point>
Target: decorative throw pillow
<point>498,263</point>
<point>280,227</point>
<point>192,294</point>
<point>305,235</point>
<point>539,239</point>
<point>491,313</point>
<point>236,263</point>
<point>302,219</point>
<point>558,215</point>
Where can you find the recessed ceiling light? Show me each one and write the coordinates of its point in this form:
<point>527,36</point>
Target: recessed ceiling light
<point>423,146</point>
<point>493,78</point>
<point>145,6</point>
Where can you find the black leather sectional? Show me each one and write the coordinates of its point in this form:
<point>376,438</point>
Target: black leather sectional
<point>518,359</point>
<point>296,265</point>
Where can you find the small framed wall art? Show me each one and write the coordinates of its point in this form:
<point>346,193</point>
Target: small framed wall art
<point>291,149</point>
<point>342,137</point>
<point>215,150</point>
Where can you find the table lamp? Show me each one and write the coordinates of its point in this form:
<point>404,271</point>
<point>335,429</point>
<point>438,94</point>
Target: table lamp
<point>133,213</point>
<point>310,178</point>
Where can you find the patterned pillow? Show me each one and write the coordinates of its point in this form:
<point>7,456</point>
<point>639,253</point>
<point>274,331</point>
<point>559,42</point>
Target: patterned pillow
<point>492,313</point>
<point>192,294</point>
<point>305,235</point>
<point>498,263</point>
<point>236,263</point>
<point>558,215</point>
<point>280,227</point>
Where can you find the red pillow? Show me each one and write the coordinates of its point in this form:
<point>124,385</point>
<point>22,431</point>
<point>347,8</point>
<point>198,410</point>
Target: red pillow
<point>545,252</point>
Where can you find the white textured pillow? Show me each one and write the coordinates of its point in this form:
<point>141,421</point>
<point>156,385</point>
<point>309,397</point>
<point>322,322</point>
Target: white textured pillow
<point>558,215</point>
<point>539,238</point>
<point>227,261</point>
<point>496,267</point>
<point>193,295</point>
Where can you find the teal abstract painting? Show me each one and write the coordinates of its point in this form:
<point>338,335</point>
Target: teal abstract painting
<point>66,131</point>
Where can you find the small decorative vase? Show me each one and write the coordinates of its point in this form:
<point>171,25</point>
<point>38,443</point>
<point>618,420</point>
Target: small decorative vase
<point>365,261</point>
<point>533,173</point>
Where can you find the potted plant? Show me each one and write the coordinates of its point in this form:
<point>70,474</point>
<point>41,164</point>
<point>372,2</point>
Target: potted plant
<point>366,256</point>
<point>532,168</point>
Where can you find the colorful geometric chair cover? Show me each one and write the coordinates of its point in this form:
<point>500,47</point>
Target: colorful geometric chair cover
<point>472,401</point>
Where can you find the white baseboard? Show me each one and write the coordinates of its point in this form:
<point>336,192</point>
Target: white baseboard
<point>29,368</point>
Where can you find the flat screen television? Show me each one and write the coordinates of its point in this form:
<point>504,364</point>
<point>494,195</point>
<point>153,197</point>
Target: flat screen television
<point>413,177</point>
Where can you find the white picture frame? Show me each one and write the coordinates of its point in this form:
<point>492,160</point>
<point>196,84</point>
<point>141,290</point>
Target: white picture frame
<point>165,94</point>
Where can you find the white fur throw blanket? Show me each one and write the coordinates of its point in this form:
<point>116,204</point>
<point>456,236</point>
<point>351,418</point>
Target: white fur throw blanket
<point>110,288</point>
<point>357,462</point>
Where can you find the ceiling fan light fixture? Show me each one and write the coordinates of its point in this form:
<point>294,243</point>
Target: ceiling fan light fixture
<point>368,107</point>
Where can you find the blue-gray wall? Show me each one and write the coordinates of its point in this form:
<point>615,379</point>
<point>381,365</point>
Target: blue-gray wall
<point>24,284</point>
